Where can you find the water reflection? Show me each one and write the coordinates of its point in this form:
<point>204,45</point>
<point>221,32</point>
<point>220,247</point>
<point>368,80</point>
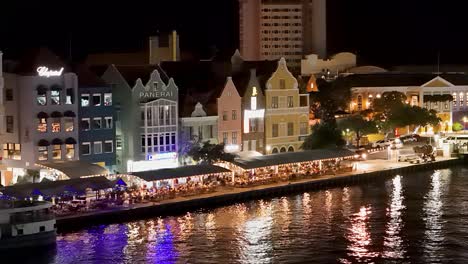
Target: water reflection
<point>393,242</point>
<point>433,205</point>
<point>359,248</point>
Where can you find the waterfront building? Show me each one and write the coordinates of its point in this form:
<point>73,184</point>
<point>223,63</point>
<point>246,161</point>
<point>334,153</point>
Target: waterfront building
<point>421,89</point>
<point>96,115</point>
<point>286,112</point>
<point>327,68</point>
<point>40,115</point>
<point>146,123</point>
<point>230,117</point>
<point>200,125</point>
<point>270,29</point>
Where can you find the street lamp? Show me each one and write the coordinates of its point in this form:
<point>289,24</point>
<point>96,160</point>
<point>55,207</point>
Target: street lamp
<point>347,136</point>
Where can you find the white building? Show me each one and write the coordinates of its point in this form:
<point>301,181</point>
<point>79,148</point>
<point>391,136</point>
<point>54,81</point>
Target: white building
<point>336,64</point>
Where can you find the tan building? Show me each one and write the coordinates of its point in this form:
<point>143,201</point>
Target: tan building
<point>271,29</point>
<point>286,112</point>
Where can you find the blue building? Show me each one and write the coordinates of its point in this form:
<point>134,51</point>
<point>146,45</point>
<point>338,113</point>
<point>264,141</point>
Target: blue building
<point>97,120</point>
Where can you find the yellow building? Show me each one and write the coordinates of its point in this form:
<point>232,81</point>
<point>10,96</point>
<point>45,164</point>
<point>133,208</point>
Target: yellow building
<point>286,112</point>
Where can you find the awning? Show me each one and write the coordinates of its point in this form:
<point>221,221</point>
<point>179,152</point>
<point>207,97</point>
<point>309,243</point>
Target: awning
<point>69,113</point>
<point>57,141</point>
<point>179,172</point>
<point>292,157</point>
<point>56,114</point>
<point>58,188</point>
<point>70,140</point>
<point>42,115</point>
<point>75,168</point>
<point>43,143</point>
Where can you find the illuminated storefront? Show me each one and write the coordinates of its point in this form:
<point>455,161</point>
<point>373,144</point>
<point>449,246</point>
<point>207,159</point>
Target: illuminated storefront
<point>253,103</point>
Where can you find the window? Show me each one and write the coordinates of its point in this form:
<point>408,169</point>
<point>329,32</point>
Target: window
<point>234,138</point>
<point>86,148</point>
<point>55,97</point>
<point>274,130</point>
<point>454,95</point>
<point>43,153</point>
<point>200,132</point>
<point>225,116</point>
<point>69,96</point>
<point>108,122</point>
<point>68,124</point>
<point>85,100</point>
<point>209,129</point>
<point>85,124</point>
<point>225,138</point>
<point>9,94</point>
<point>274,102</point>
<point>290,102</point>
<point>108,146</point>
<point>70,151</point>
<point>303,128</point>
<point>97,123</point>
<point>282,83</point>
<point>19,232</point>
<point>253,125</point>
<point>118,141</point>
<point>461,96</point>
<point>97,149</point>
<point>234,115</point>
<point>56,125</point>
<point>42,125</point>
<point>253,103</point>
<point>41,98</point>
<point>359,103</point>
<point>57,152</point>
<point>290,129</point>
<point>108,99</point>
<point>42,229</point>
<point>96,99</point>
<point>9,124</point>
<point>12,151</point>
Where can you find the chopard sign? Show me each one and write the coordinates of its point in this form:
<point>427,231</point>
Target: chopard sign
<point>45,72</point>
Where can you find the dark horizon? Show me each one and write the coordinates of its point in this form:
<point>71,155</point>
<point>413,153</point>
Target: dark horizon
<point>391,33</point>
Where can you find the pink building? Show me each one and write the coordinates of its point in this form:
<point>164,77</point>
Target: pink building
<point>229,117</point>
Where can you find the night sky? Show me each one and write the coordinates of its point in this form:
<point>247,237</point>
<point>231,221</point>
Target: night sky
<point>381,32</point>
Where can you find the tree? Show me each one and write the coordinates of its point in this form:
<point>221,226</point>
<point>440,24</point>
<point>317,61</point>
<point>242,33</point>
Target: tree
<point>208,153</point>
<point>331,97</point>
<point>358,125</point>
<point>324,135</point>
<point>457,127</point>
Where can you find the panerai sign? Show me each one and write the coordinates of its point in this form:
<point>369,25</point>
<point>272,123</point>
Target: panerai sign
<point>155,92</point>
<point>45,72</point>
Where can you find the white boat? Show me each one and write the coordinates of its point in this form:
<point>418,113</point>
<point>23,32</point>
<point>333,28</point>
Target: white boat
<point>26,224</point>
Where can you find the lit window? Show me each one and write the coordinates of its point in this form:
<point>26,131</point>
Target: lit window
<point>118,142</point>
<point>68,123</point>
<point>86,148</point>
<point>55,97</point>
<point>42,125</point>
<point>108,146</point>
<point>274,102</point>
<point>253,103</point>
<point>290,102</point>
<point>12,151</point>
<point>96,99</point>
<point>69,96</point>
<point>97,149</point>
<point>107,99</point>
<point>359,103</point>
<point>85,100</point>
<point>454,95</point>
<point>57,152</point>
<point>56,126</point>
<point>85,124</point>
<point>97,123</point>
<point>461,96</point>
<point>43,153</point>
<point>41,98</point>
<point>108,122</point>
<point>70,151</point>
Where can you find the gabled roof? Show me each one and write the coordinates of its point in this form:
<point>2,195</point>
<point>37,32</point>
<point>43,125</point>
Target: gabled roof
<point>131,73</point>
<point>36,57</point>
<point>437,82</point>
<point>87,78</point>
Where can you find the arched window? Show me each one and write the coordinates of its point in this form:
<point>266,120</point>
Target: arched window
<point>275,150</point>
<point>290,149</point>
<point>283,149</point>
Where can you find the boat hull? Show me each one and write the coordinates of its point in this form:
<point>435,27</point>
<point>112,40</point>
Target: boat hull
<point>43,239</point>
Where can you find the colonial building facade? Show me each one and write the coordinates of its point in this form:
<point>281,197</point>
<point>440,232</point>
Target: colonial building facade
<point>253,107</point>
<point>420,90</point>
<point>230,117</point>
<point>286,112</point>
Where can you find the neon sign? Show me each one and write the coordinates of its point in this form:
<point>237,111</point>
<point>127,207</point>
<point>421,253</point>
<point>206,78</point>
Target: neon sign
<point>162,156</point>
<point>45,72</point>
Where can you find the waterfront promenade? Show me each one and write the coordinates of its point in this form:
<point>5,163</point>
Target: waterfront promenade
<point>366,170</point>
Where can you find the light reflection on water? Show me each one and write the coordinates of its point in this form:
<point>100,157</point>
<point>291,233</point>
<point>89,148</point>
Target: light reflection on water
<point>402,219</point>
